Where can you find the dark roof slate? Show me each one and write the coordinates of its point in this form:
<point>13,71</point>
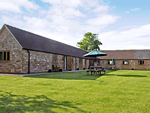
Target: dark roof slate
<point>126,54</point>
<point>36,42</point>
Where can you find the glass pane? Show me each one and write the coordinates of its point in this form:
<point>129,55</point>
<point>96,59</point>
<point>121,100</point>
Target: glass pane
<point>4,55</point>
<point>8,55</point>
<point>0,55</point>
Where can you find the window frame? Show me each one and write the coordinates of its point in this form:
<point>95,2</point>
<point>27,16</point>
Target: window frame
<point>80,61</point>
<point>54,58</point>
<point>125,61</point>
<point>139,62</point>
<point>5,56</point>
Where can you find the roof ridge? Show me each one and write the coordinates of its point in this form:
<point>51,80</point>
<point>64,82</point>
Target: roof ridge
<point>126,50</point>
<point>43,36</point>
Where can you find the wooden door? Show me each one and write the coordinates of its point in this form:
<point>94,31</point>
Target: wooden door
<point>91,62</point>
<point>138,66</point>
<point>54,62</point>
<point>69,63</point>
<point>75,62</point>
<point>63,62</point>
<point>80,63</point>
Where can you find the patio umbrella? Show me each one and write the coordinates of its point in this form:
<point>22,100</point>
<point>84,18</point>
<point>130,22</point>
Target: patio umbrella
<point>95,53</point>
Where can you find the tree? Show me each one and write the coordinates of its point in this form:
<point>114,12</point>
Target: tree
<point>89,42</point>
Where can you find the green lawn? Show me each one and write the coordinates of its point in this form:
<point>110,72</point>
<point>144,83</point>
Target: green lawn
<point>123,91</point>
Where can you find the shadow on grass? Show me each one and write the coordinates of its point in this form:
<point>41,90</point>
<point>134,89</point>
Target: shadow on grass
<point>20,103</point>
<point>81,75</point>
<point>132,75</point>
<point>125,75</point>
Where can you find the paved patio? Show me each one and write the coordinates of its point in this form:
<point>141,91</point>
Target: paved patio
<point>2,74</point>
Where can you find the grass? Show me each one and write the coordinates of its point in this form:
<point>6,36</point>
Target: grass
<point>125,91</point>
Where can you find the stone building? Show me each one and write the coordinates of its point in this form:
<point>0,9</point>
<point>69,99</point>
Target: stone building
<point>127,59</point>
<point>25,52</point>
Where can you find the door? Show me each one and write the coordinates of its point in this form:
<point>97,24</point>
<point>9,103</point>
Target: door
<point>91,62</point>
<point>54,62</point>
<point>65,63</point>
<point>75,62</point>
<point>69,63</point>
<point>80,63</point>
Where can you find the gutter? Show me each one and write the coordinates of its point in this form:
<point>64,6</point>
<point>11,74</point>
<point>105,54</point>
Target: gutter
<point>28,61</point>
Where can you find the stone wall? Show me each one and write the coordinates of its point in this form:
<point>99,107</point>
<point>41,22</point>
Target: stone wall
<point>40,61</point>
<point>24,61</point>
<point>8,43</point>
<point>87,64</point>
<point>132,64</point>
<point>59,61</point>
<point>77,62</point>
<point>73,63</point>
<point>118,64</point>
<point>103,63</point>
<point>148,64</point>
<point>83,61</point>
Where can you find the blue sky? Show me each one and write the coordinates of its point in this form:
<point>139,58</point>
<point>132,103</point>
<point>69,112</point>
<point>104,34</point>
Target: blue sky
<point>120,24</point>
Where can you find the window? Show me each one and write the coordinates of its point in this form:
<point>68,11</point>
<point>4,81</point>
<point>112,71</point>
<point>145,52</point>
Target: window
<point>109,61</point>
<point>141,62</point>
<point>63,59</point>
<point>5,56</point>
<point>72,60</point>
<point>125,63</point>
<point>98,62</point>
<point>80,60</point>
<point>85,61</point>
<point>54,58</point>
<point>1,56</point>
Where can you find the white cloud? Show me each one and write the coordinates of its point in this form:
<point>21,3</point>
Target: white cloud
<point>13,19</point>
<point>70,3</point>
<point>103,20</point>
<point>101,8</point>
<point>127,12</point>
<point>136,9</point>
<point>135,38</point>
<point>67,12</point>
<point>15,5</point>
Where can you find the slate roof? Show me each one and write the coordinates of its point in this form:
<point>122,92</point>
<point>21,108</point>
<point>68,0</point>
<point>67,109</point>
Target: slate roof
<point>36,42</point>
<point>126,54</point>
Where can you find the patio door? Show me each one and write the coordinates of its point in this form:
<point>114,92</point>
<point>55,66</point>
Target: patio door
<point>91,62</point>
<point>65,63</point>
<point>69,63</point>
<point>75,62</point>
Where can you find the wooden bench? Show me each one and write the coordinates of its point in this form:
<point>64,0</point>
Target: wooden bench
<point>112,67</point>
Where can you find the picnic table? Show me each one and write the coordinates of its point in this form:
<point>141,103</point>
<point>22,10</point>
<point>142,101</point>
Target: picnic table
<point>96,69</point>
<point>112,67</point>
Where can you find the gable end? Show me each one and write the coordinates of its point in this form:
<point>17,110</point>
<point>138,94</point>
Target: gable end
<point>12,35</point>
